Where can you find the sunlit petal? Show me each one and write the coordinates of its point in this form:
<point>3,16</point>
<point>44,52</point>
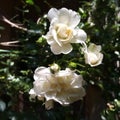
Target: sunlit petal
<point>67,48</point>
<point>53,13</point>
<point>55,48</point>
<point>80,36</point>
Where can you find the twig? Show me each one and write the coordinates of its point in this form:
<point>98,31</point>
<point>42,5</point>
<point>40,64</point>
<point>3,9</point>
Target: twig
<point>13,24</point>
<point>10,43</point>
<point>3,18</point>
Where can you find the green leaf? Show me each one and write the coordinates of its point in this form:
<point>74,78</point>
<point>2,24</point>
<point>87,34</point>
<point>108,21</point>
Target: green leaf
<point>30,2</point>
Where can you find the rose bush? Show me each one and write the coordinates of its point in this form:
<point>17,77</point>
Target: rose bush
<point>63,30</point>
<point>63,86</point>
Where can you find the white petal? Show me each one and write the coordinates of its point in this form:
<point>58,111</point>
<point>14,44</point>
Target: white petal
<point>64,16</point>
<point>77,82</point>
<point>53,13</point>
<point>49,37</point>
<point>74,19</point>
<point>80,36</point>
<point>55,48</point>
<point>100,59</point>
<point>50,41</point>
<point>41,86</point>
<point>63,73</point>
<point>70,96</point>
<point>41,71</point>
<point>66,48</point>
<point>55,37</point>
<point>69,17</point>
<point>94,48</point>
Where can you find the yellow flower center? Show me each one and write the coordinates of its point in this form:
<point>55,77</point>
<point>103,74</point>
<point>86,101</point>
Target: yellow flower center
<point>93,59</point>
<point>64,33</point>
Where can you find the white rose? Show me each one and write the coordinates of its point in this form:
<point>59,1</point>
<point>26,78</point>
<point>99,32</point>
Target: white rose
<point>63,30</point>
<point>64,86</point>
<point>93,56</point>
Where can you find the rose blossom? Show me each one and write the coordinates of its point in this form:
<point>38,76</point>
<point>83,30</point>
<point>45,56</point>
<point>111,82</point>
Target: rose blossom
<point>64,86</point>
<point>63,30</point>
<point>93,56</point>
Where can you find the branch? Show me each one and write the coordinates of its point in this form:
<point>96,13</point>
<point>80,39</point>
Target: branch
<point>3,18</point>
<point>13,24</point>
<point>10,43</point>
